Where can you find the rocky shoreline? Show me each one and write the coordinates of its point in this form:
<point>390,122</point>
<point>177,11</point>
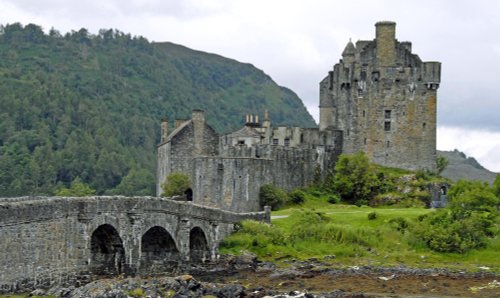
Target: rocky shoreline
<point>244,276</point>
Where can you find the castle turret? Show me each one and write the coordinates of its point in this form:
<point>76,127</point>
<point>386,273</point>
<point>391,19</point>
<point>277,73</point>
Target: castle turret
<point>349,52</point>
<point>164,130</point>
<point>386,43</point>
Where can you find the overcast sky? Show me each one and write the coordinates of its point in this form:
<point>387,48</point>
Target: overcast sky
<point>298,42</point>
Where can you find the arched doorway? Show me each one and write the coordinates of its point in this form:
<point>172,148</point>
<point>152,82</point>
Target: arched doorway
<point>107,252</point>
<point>198,247</point>
<point>158,250</point>
<point>189,194</point>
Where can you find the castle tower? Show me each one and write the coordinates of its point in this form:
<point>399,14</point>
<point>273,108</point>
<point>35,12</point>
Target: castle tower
<point>164,130</point>
<point>383,98</point>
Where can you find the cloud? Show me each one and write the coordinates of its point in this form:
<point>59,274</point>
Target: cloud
<point>483,145</point>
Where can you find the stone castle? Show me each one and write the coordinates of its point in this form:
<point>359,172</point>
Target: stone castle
<point>380,98</point>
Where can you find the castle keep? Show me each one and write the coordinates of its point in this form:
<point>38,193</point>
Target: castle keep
<point>383,97</point>
<point>380,98</point>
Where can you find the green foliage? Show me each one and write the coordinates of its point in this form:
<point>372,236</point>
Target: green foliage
<point>88,106</point>
<point>399,223</point>
<point>355,178</point>
<point>333,199</point>
<point>175,184</point>
<point>297,196</point>
<point>137,293</point>
<point>496,186</point>
<point>270,195</point>
<point>77,189</point>
<point>372,215</point>
<point>138,182</point>
<point>442,162</point>
<point>467,223</point>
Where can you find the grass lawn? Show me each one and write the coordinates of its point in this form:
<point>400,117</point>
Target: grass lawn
<point>344,231</point>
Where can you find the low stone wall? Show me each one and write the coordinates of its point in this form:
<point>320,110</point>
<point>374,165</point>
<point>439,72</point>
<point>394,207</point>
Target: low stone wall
<point>49,240</point>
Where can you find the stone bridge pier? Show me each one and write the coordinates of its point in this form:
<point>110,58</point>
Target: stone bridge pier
<point>52,240</point>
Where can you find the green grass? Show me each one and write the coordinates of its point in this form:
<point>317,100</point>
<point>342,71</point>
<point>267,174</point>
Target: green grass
<point>346,232</point>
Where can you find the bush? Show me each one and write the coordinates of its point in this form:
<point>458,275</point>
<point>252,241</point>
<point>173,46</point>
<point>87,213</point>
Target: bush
<point>466,223</point>
<point>442,233</point>
<point>399,223</point>
<point>372,215</point>
<point>297,197</point>
<point>175,184</point>
<point>355,178</point>
<point>270,195</point>
<point>333,199</point>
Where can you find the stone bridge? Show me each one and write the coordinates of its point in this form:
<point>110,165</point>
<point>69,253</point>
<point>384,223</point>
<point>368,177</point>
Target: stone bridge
<point>47,240</point>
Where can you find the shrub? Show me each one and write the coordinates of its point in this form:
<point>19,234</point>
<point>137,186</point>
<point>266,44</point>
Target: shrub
<point>137,293</point>
<point>372,215</point>
<point>270,195</point>
<point>333,199</point>
<point>399,223</point>
<point>175,184</point>
<point>297,197</point>
<point>77,189</point>
<point>355,178</point>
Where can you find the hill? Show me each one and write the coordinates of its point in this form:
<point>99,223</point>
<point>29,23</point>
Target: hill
<point>462,167</point>
<point>88,106</point>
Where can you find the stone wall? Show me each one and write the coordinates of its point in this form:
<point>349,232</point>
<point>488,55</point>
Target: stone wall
<point>47,240</point>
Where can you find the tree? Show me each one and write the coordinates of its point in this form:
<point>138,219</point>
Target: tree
<point>138,182</point>
<point>175,184</point>
<point>270,195</point>
<point>442,162</point>
<point>496,186</point>
<point>77,189</point>
<point>355,178</point>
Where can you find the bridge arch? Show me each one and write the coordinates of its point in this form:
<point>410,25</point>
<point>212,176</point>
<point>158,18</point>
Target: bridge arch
<point>107,251</point>
<point>159,250</point>
<point>199,250</point>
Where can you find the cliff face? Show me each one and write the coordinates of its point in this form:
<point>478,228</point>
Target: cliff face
<point>462,167</point>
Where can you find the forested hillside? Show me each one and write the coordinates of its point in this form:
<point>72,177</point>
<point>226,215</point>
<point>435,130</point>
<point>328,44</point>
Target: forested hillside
<point>87,107</point>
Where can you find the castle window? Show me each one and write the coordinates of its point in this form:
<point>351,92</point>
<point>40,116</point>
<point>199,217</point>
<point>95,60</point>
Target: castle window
<point>364,113</point>
<point>220,167</point>
<point>387,114</point>
<point>275,141</point>
<point>348,132</point>
<point>360,93</point>
<point>241,142</point>
<point>424,125</point>
<point>388,144</point>
<point>287,142</point>
<point>365,141</point>
<point>387,125</point>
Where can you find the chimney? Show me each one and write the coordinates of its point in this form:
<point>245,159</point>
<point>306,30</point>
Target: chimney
<point>164,130</point>
<point>386,43</point>
<point>198,118</point>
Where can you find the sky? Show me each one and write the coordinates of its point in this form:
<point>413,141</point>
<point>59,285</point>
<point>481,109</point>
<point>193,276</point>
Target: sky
<point>298,42</point>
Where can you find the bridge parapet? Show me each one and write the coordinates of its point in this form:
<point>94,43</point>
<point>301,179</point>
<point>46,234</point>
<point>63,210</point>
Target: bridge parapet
<point>52,239</point>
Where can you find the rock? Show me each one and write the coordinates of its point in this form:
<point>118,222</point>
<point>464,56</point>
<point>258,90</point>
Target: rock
<point>38,292</point>
<point>330,257</point>
<point>231,291</point>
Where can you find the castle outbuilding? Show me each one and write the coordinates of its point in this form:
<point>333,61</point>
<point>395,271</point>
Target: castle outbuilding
<point>380,98</point>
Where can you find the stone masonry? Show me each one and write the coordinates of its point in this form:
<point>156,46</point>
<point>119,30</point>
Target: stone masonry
<point>55,240</point>
<point>380,98</point>
<point>383,97</point>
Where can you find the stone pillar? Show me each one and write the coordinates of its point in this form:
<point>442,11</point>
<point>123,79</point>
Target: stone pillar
<point>183,238</point>
<point>386,43</point>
